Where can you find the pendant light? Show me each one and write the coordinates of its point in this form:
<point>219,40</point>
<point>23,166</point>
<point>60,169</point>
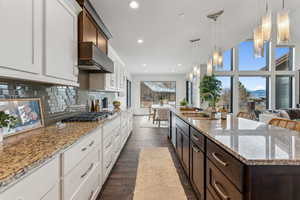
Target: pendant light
<point>217,57</point>
<point>258,41</point>
<point>266,24</point>
<point>209,67</point>
<point>283,26</point>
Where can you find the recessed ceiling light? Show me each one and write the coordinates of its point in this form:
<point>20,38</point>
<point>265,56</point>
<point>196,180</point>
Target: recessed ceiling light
<point>179,65</point>
<point>134,5</point>
<point>140,41</point>
<point>144,65</point>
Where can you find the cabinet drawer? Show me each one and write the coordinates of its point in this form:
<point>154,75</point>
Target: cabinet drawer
<point>110,126</point>
<point>221,188</point>
<point>198,138</point>
<point>182,125</point>
<point>79,174</point>
<point>230,166</point>
<point>90,188</point>
<point>76,153</point>
<point>108,142</point>
<point>30,187</point>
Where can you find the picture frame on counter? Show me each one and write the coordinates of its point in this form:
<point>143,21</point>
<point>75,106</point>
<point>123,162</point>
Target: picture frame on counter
<point>21,115</point>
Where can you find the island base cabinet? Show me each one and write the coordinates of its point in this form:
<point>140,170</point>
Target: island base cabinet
<point>179,143</point>
<point>197,170</point>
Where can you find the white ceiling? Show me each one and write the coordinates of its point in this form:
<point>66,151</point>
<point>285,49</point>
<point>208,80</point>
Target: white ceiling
<point>166,35</point>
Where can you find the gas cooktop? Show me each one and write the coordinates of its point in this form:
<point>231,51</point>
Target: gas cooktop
<point>88,117</point>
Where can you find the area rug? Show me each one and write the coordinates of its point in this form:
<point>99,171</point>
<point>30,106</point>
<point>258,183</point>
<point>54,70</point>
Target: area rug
<point>157,178</point>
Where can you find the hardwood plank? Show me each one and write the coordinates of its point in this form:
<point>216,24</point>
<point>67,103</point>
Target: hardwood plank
<point>121,182</point>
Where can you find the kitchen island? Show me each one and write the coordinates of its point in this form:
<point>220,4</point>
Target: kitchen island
<point>237,158</point>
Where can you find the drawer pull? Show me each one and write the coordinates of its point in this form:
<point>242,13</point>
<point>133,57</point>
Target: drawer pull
<point>219,191</point>
<point>84,149</point>
<point>92,143</point>
<point>195,149</point>
<point>87,171</point>
<point>219,160</point>
<point>107,166</point>
<point>109,144</point>
<point>195,137</point>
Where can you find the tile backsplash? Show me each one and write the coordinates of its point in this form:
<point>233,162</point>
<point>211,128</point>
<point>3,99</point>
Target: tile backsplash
<point>57,101</point>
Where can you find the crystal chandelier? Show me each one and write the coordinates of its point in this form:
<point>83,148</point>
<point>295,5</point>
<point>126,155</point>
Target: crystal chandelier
<point>266,24</point>
<point>258,41</point>
<point>283,26</point>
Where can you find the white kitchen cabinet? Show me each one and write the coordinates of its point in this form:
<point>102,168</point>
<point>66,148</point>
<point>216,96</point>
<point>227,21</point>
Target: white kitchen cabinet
<point>20,36</point>
<point>39,40</point>
<point>30,188</point>
<point>60,23</point>
<point>53,194</point>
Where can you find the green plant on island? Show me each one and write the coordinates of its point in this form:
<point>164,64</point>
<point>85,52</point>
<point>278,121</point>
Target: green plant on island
<point>7,120</point>
<point>183,102</point>
<point>210,90</point>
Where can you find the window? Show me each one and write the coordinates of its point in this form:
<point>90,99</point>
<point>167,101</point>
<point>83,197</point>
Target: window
<point>226,95</point>
<point>253,89</point>
<point>227,61</point>
<point>283,56</point>
<point>152,92</point>
<point>247,61</point>
<point>283,92</point>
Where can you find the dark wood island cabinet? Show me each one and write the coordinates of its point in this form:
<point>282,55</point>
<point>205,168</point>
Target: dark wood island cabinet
<point>237,159</point>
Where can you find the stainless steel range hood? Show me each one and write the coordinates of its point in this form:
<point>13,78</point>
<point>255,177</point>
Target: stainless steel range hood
<point>93,60</point>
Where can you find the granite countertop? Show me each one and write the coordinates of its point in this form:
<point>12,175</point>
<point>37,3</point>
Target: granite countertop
<point>25,152</point>
<point>251,142</point>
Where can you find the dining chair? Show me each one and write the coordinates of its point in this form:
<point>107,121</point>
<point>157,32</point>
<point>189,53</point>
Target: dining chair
<point>285,123</point>
<point>246,115</point>
<point>151,114</point>
<point>162,115</point>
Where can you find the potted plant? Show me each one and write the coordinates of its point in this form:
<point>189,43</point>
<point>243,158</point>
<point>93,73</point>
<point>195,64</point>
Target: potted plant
<point>6,121</point>
<point>117,105</point>
<point>210,91</point>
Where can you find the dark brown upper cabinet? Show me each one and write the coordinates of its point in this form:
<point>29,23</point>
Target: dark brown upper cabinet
<point>89,32</point>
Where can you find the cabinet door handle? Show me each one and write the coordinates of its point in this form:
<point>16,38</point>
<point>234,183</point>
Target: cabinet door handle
<point>195,137</point>
<point>87,171</point>
<point>92,143</point>
<point>108,145</point>
<point>219,191</point>
<point>195,149</point>
<point>84,149</point>
<point>219,160</point>
<point>107,166</point>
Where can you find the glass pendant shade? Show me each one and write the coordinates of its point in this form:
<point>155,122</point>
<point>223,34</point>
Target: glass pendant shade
<point>220,60</point>
<point>209,67</point>
<point>266,24</point>
<point>283,27</point>
<point>215,60</point>
<point>258,41</point>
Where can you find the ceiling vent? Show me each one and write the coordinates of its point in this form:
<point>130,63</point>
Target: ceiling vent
<point>195,42</point>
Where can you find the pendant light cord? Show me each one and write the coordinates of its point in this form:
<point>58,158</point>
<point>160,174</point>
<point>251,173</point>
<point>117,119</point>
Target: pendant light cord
<point>283,4</point>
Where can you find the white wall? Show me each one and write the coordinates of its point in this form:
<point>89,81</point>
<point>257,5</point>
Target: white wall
<point>136,80</point>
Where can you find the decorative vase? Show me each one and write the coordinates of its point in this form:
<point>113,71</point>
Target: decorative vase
<point>213,113</point>
<point>117,106</point>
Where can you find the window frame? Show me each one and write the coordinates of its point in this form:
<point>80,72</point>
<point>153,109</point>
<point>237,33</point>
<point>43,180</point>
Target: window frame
<point>156,81</point>
<point>270,75</point>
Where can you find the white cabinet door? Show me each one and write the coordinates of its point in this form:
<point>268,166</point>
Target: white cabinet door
<point>21,35</point>
<point>61,39</point>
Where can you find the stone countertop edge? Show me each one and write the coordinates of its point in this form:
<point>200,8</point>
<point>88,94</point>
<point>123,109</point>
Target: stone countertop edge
<point>10,181</point>
<point>250,162</point>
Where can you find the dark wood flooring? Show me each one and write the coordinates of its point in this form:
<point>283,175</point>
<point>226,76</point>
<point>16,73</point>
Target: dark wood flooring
<point>121,182</point>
